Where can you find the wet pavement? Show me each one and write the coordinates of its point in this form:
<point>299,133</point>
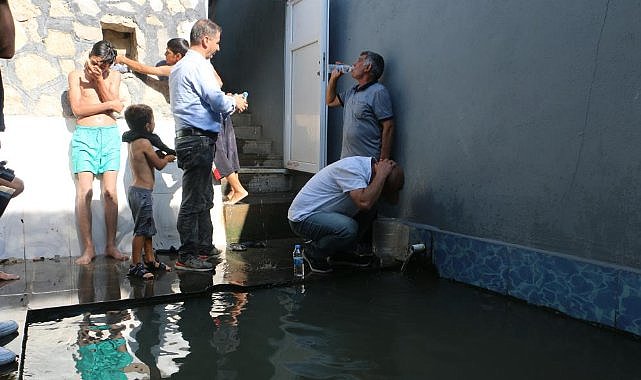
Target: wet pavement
<point>461,322</point>
<point>47,286</point>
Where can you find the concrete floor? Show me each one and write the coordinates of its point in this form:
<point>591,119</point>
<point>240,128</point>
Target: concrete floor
<point>54,283</point>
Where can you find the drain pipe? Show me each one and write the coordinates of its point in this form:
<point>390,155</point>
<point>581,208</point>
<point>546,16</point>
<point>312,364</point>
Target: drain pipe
<point>412,249</point>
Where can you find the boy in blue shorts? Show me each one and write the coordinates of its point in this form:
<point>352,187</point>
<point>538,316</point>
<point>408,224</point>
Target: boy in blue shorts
<point>142,160</point>
<point>95,146</point>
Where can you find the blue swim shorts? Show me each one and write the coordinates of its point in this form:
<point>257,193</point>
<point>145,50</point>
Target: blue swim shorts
<point>141,204</point>
<point>95,149</point>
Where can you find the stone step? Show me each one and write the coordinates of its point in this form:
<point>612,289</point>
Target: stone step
<point>259,180</point>
<point>260,216</point>
<point>249,132</point>
<point>265,180</point>
<point>255,146</point>
<point>260,160</point>
<point>242,119</point>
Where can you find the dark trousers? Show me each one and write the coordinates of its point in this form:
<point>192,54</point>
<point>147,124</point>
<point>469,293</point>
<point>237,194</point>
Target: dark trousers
<point>332,233</point>
<point>195,157</point>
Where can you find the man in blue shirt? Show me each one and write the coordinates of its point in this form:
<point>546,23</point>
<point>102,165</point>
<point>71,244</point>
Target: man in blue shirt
<point>199,107</point>
<point>368,119</point>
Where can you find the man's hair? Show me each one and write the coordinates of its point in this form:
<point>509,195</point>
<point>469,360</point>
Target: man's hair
<point>178,46</point>
<point>396,179</point>
<point>105,50</point>
<point>202,28</point>
<point>138,116</point>
<point>376,61</point>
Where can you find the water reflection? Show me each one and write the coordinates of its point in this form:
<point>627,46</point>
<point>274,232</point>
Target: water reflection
<point>102,351</point>
<point>146,336</point>
<point>91,274</point>
<point>365,327</point>
<point>225,311</point>
<point>209,331</point>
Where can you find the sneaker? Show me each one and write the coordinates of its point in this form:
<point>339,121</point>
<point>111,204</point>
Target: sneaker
<point>363,249</point>
<point>194,264</point>
<point>206,255</point>
<point>317,265</point>
<point>6,356</point>
<point>351,260</point>
<point>8,328</point>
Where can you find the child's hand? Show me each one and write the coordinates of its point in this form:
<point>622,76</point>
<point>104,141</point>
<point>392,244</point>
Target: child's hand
<point>170,158</point>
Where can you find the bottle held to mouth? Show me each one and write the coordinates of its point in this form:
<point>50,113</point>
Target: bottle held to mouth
<point>340,67</point>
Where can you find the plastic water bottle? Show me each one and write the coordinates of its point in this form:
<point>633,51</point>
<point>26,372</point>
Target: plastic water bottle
<point>299,265</point>
<point>340,67</point>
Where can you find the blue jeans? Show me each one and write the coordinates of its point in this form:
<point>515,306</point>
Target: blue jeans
<point>330,233</point>
<point>195,156</point>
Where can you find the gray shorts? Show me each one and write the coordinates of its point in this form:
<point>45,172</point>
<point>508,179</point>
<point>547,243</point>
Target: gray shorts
<point>141,205</point>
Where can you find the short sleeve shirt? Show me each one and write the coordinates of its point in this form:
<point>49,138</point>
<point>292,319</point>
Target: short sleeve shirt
<point>328,190</point>
<point>363,110</point>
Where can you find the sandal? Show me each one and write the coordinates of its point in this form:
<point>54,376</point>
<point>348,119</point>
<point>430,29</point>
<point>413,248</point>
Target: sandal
<point>140,271</point>
<point>157,265</point>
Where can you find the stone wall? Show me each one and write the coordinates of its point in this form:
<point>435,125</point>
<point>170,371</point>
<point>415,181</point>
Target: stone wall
<point>55,37</point>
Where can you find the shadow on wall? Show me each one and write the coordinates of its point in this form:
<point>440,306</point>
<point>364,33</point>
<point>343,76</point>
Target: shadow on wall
<point>49,233</point>
<point>425,208</point>
<point>66,105</point>
<point>166,203</point>
<point>41,221</point>
<point>160,85</point>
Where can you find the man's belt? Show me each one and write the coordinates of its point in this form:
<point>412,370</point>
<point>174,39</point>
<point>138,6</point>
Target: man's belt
<point>196,132</point>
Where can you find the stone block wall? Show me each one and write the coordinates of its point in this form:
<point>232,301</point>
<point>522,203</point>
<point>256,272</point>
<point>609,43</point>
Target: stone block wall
<point>55,37</point>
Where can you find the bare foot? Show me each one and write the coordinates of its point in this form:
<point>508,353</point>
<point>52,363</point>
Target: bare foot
<point>229,196</point>
<point>113,252</point>
<point>8,276</point>
<point>86,258</point>
<point>236,197</point>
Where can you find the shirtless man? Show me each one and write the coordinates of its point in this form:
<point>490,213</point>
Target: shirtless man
<point>95,145</point>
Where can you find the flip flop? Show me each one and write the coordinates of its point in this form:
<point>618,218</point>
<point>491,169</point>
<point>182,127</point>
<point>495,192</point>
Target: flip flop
<point>237,247</point>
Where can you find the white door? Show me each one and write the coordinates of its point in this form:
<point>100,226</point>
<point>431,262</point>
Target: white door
<point>306,40</point>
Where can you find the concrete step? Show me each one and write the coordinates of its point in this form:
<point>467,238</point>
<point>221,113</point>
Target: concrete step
<point>260,216</point>
<point>260,179</point>
<point>255,146</point>
<point>249,132</point>
<point>261,160</point>
<point>265,180</point>
<point>241,119</point>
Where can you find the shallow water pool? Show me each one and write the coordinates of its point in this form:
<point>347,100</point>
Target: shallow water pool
<point>381,325</point>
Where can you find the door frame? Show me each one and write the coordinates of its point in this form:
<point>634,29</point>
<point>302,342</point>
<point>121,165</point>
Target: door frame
<point>321,69</point>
